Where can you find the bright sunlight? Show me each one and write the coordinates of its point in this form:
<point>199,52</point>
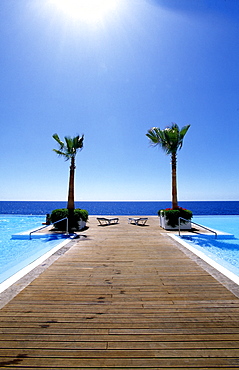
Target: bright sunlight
<point>89,11</point>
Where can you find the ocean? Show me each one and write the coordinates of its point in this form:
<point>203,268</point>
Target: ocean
<point>147,208</point>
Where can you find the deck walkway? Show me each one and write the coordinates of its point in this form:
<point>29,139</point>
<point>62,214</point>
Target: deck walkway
<point>124,297</point>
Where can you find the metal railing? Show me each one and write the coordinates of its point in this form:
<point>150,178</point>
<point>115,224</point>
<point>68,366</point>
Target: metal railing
<point>204,227</point>
<point>43,227</point>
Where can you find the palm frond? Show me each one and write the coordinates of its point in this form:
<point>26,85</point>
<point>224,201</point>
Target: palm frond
<point>170,139</point>
<point>70,147</point>
<point>61,154</point>
<point>182,133</point>
<point>56,137</point>
<point>69,144</point>
<point>154,135</point>
<point>78,141</point>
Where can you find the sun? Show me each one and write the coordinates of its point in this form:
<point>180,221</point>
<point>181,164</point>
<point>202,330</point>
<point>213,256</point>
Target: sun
<point>89,11</point>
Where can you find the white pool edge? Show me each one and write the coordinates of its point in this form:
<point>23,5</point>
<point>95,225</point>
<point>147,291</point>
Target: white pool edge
<point>24,271</point>
<point>230,275</point>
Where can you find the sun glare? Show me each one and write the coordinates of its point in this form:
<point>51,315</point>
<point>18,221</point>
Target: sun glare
<point>89,11</point>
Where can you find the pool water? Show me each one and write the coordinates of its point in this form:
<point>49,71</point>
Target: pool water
<point>15,254</point>
<point>224,249</point>
<point>229,224</point>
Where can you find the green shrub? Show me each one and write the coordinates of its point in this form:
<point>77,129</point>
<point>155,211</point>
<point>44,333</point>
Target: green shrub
<point>172,215</point>
<point>80,214</point>
<point>59,214</point>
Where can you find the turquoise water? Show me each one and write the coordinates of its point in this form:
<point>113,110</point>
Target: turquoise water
<point>229,224</point>
<point>223,250</point>
<point>15,254</point>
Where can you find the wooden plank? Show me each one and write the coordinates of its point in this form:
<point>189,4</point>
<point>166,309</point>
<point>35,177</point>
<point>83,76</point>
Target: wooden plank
<point>144,345</point>
<point>160,363</point>
<point>121,353</point>
<point>146,337</point>
<point>124,297</point>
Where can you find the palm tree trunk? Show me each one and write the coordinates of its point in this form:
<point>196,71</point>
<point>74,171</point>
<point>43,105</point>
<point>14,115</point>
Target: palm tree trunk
<point>71,201</point>
<point>174,181</point>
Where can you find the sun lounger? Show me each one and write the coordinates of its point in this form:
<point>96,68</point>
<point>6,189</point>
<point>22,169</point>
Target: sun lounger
<point>107,221</point>
<point>138,221</point>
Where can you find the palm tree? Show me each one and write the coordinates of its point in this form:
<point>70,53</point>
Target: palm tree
<point>170,140</point>
<point>68,150</point>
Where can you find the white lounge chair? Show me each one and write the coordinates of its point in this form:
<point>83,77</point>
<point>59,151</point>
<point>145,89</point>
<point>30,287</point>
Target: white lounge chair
<point>107,221</point>
<point>137,221</point>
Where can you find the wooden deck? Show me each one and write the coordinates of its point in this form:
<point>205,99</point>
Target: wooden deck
<point>124,297</point>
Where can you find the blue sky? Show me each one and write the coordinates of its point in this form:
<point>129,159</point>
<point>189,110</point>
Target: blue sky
<point>145,63</point>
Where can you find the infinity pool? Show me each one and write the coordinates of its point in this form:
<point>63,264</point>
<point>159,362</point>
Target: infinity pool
<point>16,254</point>
<point>224,250</point>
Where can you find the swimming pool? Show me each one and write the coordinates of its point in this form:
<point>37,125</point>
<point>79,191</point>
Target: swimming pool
<point>17,254</point>
<point>223,251</point>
